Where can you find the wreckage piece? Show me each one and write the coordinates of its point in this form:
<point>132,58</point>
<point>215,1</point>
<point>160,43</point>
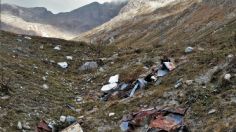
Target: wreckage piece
<point>108,87</point>
<point>168,120</point>
<point>43,127</point>
<point>114,79</point>
<point>170,66</point>
<point>157,119</point>
<point>73,128</point>
<point>140,83</point>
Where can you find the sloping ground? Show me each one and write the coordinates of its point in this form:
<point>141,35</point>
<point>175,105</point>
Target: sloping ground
<point>189,18</point>
<point>26,63</point>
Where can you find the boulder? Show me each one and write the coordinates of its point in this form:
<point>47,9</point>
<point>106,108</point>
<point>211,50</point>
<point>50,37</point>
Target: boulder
<point>89,66</point>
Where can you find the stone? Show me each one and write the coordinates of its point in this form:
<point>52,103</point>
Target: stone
<point>27,37</point>
<point>19,125</point>
<point>45,86</point>
<point>69,57</point>
<point>227,77</point>
<point>58,47</point>
<point>26,126</point>
<point>189,82</point>
<point>111,114</point>
<point>62,118</point>
<point>89,66</point>
<point>189,49</point>
<point>212,111</point>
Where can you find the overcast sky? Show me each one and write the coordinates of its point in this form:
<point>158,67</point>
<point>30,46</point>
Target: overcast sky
<point>54,5</point>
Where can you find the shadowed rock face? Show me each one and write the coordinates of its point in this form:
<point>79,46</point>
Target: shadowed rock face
<point>71,23</point>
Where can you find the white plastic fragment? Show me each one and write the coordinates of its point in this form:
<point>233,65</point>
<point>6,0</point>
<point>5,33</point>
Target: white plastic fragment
<point>109,87</point>
<point>114,79</point>
<point>63,64</point>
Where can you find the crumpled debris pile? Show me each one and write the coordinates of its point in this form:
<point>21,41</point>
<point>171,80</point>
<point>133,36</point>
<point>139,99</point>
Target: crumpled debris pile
<point>116,89</point>
<point>155,120</point>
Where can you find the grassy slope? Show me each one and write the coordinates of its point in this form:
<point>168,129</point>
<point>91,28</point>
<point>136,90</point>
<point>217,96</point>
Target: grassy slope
<point>64,85</point>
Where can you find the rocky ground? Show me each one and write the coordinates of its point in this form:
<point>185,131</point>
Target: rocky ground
<point>39,88</point>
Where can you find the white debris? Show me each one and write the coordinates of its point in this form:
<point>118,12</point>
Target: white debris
<point>212,111</point>
<point>109,87</point>
<point>69,57</point>
<point>189,50</point>
<point>114,79</point>
<point>230,56</point>
<point>63,64</point>
<point>45,86</point>
<point>111,114</point>
<point>58,47</point>
<point>44,78</point>
<point>227,77</point>
<point>19,40</point>
<point>19,125</point>
<point>62,118</point>
<point>27,37</point>
<point>41,47</point>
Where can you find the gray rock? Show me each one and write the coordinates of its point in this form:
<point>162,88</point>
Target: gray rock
<point>19,125</point>
<point>89,66</point>
<point>189,50</point>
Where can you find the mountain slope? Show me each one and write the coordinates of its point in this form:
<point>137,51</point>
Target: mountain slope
<point>74,22</point>
<point>163,22</point>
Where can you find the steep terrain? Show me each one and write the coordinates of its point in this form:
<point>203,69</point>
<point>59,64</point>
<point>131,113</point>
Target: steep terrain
<point>39,88</point>
<point>62,25</point>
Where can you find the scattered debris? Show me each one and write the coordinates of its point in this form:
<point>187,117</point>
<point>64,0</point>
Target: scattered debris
<point>43,127</point>
<point>212,111</point>
<point>89,66</point>
<point>155,119</point>
<point>114,79</point>
<point>58,47</point>
<point>140,83</point>
<point>189,49</point>
<point>63,64</point>
<point>179,83</point>
<point>73,128</point>
<point>109,87</point>
<point>69,57</point>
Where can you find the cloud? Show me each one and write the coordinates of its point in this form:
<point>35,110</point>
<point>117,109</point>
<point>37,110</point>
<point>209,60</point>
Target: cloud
<point>55,6</point>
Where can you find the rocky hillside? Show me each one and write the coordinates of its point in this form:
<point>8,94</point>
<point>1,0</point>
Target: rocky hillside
<point>62,25</point>
<point>155,21</point>
<point>44,78</point>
